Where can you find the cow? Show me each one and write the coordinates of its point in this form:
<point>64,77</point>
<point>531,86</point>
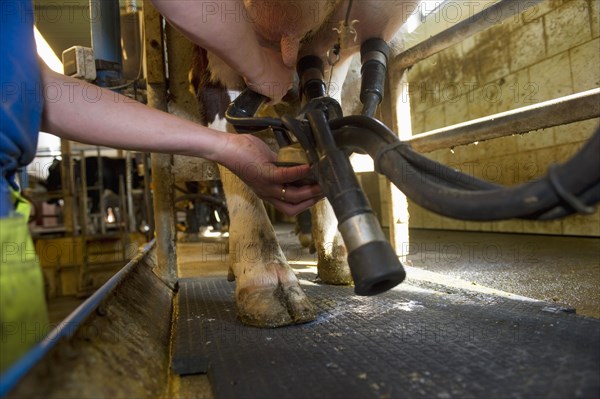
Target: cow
<point>267,291</point>
<point>112,170</point>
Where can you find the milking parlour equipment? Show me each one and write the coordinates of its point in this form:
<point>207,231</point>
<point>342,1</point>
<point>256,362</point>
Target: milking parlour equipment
<point>326,139</point>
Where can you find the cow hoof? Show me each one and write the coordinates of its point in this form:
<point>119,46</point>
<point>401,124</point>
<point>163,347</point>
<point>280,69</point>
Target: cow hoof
<point>334,272</point>
<point>189,237</point>
<point>298,305</point>
<point>273,306</point>
<point>230,274</point>
<point>305,240</point>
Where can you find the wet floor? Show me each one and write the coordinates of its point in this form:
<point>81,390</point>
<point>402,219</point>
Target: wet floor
<point>563,270</point>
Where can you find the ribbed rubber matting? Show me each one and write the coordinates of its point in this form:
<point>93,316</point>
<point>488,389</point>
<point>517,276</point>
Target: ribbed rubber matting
<point>429,341</point>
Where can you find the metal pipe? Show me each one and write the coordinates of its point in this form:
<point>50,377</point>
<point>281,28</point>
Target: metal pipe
<point>82,287</point>
<point>149,210</point>
<point>560,111</point>
<point>462,30</point>
<point>83,197</point>
<point>100,188</point>
<point>68,185</point>
<point>106,41</point>
<point>128,192</point>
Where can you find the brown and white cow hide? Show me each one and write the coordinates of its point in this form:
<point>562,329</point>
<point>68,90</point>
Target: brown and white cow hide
<point>267,290</point>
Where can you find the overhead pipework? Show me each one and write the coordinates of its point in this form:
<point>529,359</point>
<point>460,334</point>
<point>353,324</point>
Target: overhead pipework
<point>106,42</point>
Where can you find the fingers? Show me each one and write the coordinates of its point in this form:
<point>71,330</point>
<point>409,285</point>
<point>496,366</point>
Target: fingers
<point>290,174</point>
<point>293,200</point>
<point>293,209</point>
<point>296,195</point>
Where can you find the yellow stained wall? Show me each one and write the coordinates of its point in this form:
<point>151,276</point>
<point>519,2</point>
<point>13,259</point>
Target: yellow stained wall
<point>549,51</point>
<point>61,259</point>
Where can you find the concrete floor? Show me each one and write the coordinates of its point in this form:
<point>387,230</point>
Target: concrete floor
<point>563,270</point>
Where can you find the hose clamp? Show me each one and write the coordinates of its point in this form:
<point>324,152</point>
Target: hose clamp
<point>383,150</point>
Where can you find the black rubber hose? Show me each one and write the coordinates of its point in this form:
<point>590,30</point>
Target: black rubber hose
<point>435,170</point>
<point>374,54</point>
<point>430,171</point>
<point>443,172</point>
<point>373,263</point>
<point>325,142</point>
<point>370,103</point>
<point>310,71</point>
<point>436,187</point>
<point>526,200</point>
<point>590,196</point>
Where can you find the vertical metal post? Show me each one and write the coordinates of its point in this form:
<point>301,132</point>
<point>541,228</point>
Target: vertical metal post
<point>128,193</point>
<point>83,282</point>
<point>149,211</point>
<point>99,186</point>
<point>83,198</point>
<point>67,188</point>
<point>122,220</point>
<point>162,175</point>
<point>106,41</point>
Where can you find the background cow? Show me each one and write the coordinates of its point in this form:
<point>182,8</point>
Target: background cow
<point>113,170</point>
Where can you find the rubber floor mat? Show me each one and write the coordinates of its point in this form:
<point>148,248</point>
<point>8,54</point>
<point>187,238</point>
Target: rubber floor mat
<point>427,341</point>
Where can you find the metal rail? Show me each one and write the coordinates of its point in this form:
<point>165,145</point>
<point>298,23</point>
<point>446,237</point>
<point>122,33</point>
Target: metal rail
<point>477,23</point>
<point>560,111</point>
<point>69,326</point>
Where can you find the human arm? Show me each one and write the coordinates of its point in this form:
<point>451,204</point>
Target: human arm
<point>224,29</point>
<point>79,111</point>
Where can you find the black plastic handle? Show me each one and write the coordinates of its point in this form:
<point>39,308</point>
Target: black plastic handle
<point>246,104</point>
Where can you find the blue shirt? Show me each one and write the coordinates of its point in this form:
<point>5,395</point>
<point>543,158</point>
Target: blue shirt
<point>20,93</point>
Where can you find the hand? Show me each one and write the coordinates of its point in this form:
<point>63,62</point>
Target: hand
<point>274,79</point>
<point>252,161</point>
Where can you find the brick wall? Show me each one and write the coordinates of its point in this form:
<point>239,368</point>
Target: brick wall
<point>547,52</point>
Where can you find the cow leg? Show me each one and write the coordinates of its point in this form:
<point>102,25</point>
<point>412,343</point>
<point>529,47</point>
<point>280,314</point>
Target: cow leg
<point>304,230</point>
<point>332,262</point>
<point>267,292</point>
<point>332,265</point>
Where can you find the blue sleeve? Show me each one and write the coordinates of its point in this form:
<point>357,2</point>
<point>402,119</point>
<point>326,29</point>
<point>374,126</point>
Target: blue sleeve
<point>20,90</point>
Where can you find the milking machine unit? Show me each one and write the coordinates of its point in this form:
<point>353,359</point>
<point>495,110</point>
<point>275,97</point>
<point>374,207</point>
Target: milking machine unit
<point>323,137</point>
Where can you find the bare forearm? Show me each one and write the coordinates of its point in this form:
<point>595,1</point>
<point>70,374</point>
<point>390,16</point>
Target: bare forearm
<point>79,111</point>
<point>83,112</point>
